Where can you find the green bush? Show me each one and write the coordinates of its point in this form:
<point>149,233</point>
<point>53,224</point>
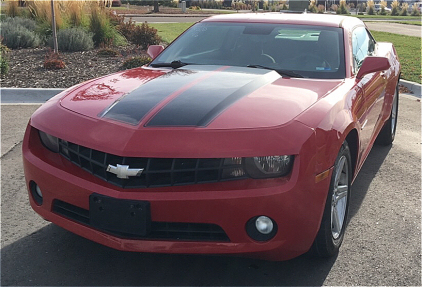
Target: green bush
<point>17,36</point>
<point>404,9</point>
<point>342,9</point>
<point>394,11</point>
<point>415,11</point>
<point>29,24</point>
<point>104,32</point>
<point>4,65</point>
<point>73,39</point>
<point>137,61</point>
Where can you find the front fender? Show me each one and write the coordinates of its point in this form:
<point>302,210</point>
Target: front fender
<point>332,117</point>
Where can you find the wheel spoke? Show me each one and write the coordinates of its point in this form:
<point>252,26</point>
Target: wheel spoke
<point>339,170</point>
<point>336,223</point>
<point>341,191</point>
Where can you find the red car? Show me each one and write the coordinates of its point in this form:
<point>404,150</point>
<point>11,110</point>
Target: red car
<point>242,137</point>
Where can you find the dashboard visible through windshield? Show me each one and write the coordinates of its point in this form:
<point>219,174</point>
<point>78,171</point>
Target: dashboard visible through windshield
<point>292,50</point>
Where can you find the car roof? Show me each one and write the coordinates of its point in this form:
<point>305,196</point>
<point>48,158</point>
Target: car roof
<point>289,18</point>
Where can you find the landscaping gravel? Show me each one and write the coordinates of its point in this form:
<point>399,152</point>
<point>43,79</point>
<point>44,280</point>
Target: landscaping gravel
<point>26,68</point>
<point>27,71</point>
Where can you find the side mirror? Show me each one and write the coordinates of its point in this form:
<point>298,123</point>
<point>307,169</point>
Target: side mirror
<point>373,64</point>
<point>154,50</point>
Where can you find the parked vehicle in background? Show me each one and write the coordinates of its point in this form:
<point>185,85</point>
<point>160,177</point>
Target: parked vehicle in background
<point>378,7</point>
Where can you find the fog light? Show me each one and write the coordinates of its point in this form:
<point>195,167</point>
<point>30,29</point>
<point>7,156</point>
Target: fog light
<point>36,192</point>
<point>264,225</point>
<point>261,228</point>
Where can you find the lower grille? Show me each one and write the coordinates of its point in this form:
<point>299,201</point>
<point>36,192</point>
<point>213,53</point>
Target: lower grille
<point>159,230</point>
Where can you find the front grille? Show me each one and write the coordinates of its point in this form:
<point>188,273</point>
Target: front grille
<point>159,230</point>
<point>157,172</point>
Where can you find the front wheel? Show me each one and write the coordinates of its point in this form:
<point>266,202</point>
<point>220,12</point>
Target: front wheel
<point>334,220</point>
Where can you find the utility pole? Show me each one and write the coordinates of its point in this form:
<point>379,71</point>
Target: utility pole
<point>53,19</point>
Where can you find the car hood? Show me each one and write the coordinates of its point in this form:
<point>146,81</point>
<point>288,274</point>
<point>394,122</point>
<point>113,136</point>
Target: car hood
<point>210,97</point>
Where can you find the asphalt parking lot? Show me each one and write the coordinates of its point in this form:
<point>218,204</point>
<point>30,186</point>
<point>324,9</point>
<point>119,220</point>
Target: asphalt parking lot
<point>382,244</point>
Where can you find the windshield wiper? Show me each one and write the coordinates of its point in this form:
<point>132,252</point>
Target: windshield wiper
<point>260,67</point>
<point>175,64</point>
<point>288,73</point>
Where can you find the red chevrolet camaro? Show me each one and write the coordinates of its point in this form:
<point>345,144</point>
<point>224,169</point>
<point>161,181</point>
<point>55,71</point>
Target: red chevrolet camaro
<point>242,137</point>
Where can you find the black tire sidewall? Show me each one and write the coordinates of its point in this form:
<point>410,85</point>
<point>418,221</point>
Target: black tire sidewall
<point>325,245</point>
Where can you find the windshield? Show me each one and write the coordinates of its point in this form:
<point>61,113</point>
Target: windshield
<point>296,50</point>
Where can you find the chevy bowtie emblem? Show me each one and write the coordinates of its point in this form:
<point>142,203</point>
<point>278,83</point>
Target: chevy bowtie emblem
<point>123,171</point>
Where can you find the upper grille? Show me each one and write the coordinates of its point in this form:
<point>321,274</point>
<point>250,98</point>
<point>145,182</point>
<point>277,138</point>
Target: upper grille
<point>158,172</point>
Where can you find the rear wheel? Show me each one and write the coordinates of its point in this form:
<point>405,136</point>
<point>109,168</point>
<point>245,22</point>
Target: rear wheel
<point>334,220</point>
<point>388,131</point>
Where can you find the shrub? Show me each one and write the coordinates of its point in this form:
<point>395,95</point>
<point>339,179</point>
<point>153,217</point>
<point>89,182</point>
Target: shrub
<point>4,61</point>
<point>107,52</point>
<point>134,62</point>
<point>4,66</point>
<point>415,10</point>
<point>115,19</point>
<point>17,36</point>
<point>29,24</point>
<point>342,9</point>
<point>102,29</point>
<point>370,7</point>
<point>142,35</point>
<point>395,5</point>
<point>40,11</point>
<point>76,16</point>
<point>404,8</point>
<point>145,35</point>
<point>383,4</point>
<point>361,8</point>
<point>321,9</point>
<point>53,62</point>
<point>312,6</point>
<point>73,39</point>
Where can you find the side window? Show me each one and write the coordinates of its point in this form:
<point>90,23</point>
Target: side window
<point>363,45</point>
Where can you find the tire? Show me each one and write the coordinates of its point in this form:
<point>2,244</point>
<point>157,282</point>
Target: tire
<point>335,217</point>
<point>388,131</point>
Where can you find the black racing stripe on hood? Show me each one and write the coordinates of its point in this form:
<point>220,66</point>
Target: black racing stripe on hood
<point>133,107</point>
<point>201,104</point>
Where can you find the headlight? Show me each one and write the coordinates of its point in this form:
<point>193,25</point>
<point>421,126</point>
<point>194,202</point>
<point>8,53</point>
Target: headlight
<point>50,142</point>
<point>268,166</point>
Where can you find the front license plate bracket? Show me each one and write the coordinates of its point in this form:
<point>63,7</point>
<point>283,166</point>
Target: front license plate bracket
<point>122,216</point>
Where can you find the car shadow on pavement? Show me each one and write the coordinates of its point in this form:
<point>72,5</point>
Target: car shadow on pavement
<point>367,173</point>
<point>53,256</point>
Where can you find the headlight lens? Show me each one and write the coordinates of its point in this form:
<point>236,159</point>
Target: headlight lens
<point>50,142</point>
<point>269,166</point>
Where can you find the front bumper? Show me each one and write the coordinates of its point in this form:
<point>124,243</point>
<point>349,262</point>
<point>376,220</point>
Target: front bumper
<point>295,203</point>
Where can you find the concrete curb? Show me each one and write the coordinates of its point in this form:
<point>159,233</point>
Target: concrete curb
<point>415,88</point>
<point>40,95</point>
<point>27,95</point>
